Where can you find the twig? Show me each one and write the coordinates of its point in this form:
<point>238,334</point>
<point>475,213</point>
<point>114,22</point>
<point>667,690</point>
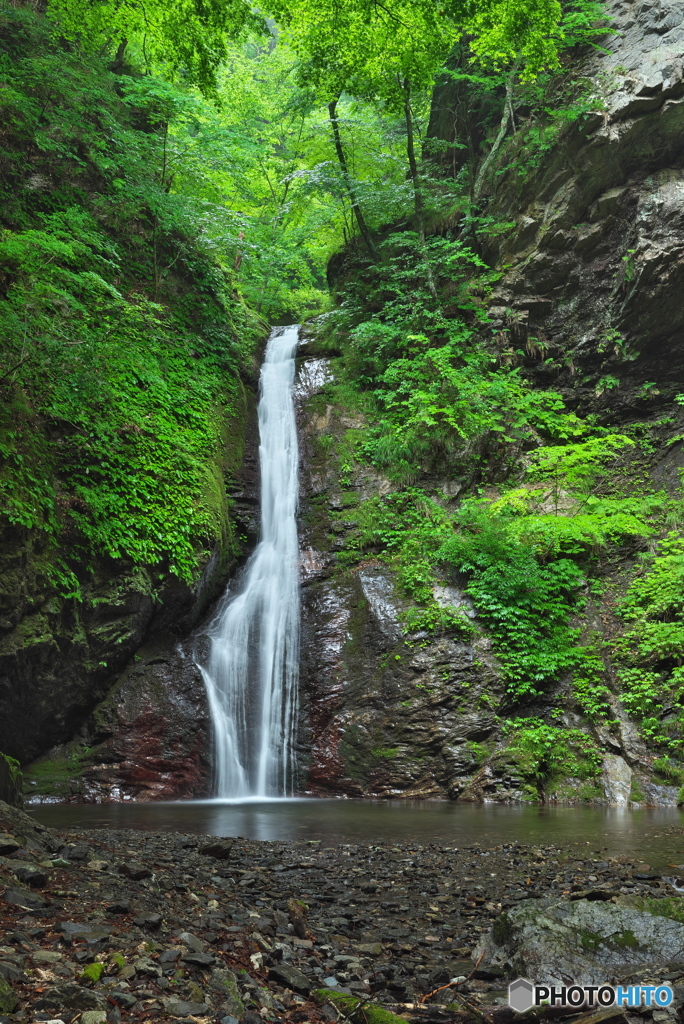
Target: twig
<point>454,984</point>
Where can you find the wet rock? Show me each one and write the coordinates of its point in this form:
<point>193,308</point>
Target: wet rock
<point>70,996</point>
<point>182,1008</point>
<point>134,870</point>
<point>224,984</point>
<point>222,850</point>
<point>119,907</point>
<point>291,978</point>
<point>8,844</point>
<point>24,898</point>
<point>199,959</point>
<point>9,1000</point>
<point>583,941</point>
<point>31,875</point>
<point>149,921</point>
<point>90,933</point>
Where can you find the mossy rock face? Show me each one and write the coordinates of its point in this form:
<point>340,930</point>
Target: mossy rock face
<point>10,782</point>
<point>585,940</point>
<point>9,1000</point>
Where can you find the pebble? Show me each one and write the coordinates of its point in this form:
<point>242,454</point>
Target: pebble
<point>237,930</point>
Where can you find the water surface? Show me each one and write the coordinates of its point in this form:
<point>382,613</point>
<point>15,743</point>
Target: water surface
<point>655,835</point>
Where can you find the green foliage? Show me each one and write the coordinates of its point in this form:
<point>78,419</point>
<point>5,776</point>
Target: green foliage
<point>546,752</point>
<point>120,356</point>
<point>525,604</point>
<point>650,653</point>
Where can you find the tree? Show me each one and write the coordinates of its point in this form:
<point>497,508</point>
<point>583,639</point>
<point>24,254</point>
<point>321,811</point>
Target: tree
<point>186,37</point>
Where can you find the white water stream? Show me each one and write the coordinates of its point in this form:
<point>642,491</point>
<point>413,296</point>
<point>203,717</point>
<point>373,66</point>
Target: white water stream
<point>251,673</point>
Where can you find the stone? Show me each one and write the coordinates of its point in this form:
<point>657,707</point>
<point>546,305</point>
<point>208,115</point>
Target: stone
<point>224,983</point>
<point>583,941</point>
<point>31,875</point>
<point>94,1017</point>
<point>75,852</point>
<point>10,971</point>
<point>70,996</point>
<point>26,899</point>
<point>221,851</point>
<point>46,956</point>
<point>199,959</point>
<point>150,921</point>
<point>8,844</point>
<point>90,933</point>
<point>9,1000</point>
<point>192,942</point>
<point>119,907</point>
<point>290,977</point>
<point>182,1008</point>
<point>134,870</point>
<point>124,999</point>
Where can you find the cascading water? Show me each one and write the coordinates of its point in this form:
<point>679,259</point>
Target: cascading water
<point>252,669</point>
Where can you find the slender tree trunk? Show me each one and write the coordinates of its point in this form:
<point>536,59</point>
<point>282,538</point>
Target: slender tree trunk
<point>358,213</point>
<point>418,204</point>
<point>118,61</point>
<point>506,118</point>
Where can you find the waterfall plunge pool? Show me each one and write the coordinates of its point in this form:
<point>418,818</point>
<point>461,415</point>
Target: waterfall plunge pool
<point>654,834</point>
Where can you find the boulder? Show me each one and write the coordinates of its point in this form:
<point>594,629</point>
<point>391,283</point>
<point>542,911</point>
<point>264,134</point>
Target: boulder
<point>586,941</point>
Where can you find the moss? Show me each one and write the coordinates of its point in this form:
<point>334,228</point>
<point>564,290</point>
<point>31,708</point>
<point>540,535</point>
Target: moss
<point>92,973</point>
<point>10,781</point>
<point>56,776</point>
<point>590,940</point>
<point>671,907</point>
<point>357,1011</point>
<point>386,753</point>
<point>636,793</point>
<point>9,1000</point>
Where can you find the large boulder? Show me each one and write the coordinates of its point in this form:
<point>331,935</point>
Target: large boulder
<point>585,941</point>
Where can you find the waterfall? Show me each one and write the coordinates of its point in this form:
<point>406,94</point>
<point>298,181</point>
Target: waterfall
<point>252,669</point>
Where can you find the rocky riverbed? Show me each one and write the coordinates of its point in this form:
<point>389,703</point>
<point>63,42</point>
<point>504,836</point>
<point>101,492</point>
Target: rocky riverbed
<point>113,925</point>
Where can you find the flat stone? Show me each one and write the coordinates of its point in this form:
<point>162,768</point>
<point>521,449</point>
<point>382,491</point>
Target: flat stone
<point>181,1008</point>
<point>94,1017</point>
<point>119,907</point>
<point>151,921</point>
<point>290,977</point>
<point>26,899</point>
<point>222,851</point>
<point>134,870</point>
<point>369,948</point>
<point>89,932</point>
<point>192,942</point>
<point>36,877</point>
<point>46,956</point>
<point>10,971</point>
<point>70,996</point>
<point>124,999</point>
<point>8,844</point>
<point>199,959</point>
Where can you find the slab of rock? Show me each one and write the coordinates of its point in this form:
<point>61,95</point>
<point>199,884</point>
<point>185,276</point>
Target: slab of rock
<point>134,870</point>
<point>89,932</point>
<point>222,850</point>
<point>8,844</point>
<point>290,977</point>
<point>224,984</point>
<point>9,1000</point>
<point>583,942</point>
<point>71,996</point>
<point>182,1008</point>
<point>31,875</point>
<point>24,898</point>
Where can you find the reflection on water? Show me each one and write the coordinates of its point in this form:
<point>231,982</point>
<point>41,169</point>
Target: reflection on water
<point>654,834</point>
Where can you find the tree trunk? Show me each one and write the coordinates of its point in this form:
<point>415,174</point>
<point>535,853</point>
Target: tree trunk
<point>418,204</point>
<point>358,213</point>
